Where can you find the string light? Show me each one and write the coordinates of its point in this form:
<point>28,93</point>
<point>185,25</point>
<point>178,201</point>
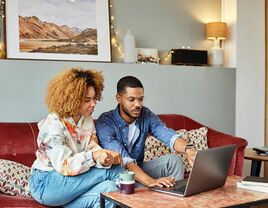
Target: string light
<point>166,57</point>
<point>2,9</point>
<point>115,38</point>
<point>116,43</point>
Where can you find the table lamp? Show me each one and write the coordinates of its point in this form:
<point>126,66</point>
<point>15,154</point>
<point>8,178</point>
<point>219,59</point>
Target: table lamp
<point>216,31</point>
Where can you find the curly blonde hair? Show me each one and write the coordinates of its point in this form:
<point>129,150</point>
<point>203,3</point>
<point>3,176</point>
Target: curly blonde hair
<point>67,89</point>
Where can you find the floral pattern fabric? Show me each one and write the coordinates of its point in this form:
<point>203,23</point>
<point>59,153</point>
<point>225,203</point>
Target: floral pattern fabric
<point>65,146</point>
<point>14,178</point>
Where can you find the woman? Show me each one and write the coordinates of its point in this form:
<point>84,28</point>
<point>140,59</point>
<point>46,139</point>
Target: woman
<point>71,169</point>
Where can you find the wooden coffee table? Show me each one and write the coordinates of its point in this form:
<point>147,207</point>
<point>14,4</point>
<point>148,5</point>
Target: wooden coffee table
<point>226,196</point>
<point>256,161</point>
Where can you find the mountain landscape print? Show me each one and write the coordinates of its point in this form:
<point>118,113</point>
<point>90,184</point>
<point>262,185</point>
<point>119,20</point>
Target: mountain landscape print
<point>58,27</point>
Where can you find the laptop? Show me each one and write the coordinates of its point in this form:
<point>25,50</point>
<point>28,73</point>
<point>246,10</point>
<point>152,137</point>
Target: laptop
<point>210,171</point>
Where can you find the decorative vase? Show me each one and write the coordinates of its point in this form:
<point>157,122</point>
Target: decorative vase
<point>215,55</point>
<point>129,48</point>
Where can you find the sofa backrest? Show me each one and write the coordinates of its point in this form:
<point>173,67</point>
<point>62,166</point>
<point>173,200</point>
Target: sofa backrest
<point>18,142</point>
<point>177,122</point>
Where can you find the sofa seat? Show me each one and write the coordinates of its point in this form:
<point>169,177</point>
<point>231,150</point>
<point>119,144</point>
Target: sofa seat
<point>18,143</point>
<point>19,202</point>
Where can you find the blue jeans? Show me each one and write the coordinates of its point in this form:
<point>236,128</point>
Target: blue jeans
<point>170,165</point>
<point>54,189</point>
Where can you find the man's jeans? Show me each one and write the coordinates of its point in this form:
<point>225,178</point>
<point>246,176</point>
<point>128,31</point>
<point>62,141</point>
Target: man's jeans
<point>54,189</point>
<point>170,165</point>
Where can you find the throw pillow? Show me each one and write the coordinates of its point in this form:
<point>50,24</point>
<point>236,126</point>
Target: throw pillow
<point>14,178</point>
<point>155,148</point>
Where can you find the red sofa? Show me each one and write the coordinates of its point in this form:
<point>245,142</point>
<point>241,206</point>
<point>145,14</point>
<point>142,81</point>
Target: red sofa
<point>18,143</point>
<point>215,138</point>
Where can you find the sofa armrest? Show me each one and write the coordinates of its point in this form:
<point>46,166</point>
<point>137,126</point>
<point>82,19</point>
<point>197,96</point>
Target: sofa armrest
<point>216,139</point>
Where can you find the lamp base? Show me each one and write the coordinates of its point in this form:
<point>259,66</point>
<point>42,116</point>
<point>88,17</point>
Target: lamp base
<point>215,56</point>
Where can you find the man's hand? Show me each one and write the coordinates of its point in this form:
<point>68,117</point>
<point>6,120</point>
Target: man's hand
<point>165,181</point>
<point>191,155</point>
<point>147,180</point>
<point>180,146</point>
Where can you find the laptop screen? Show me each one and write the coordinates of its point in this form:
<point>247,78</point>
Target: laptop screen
<point>210,170</point>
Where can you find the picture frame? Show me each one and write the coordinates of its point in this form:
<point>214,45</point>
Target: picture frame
<point>2,26</point>
<point>72,30</point>
<point>147,55</point>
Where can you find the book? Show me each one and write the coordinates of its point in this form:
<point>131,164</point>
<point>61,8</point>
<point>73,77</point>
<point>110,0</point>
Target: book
<point>252,187</point>
<point>254,180</point>
<point>261,150</point>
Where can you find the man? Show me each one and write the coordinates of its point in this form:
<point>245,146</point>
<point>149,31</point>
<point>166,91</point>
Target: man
<point>125,129</point>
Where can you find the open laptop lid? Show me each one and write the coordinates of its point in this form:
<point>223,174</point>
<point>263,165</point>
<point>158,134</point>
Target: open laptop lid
<point>209,171</point>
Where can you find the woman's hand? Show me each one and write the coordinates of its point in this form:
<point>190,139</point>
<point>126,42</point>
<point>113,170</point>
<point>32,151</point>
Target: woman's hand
<point>117,159</point>
<point>107,157</point>
<point>93,143</point>
<point>103,157</point>
<point>94,138</point>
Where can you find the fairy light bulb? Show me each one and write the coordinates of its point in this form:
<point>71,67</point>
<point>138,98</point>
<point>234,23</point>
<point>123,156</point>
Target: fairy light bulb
<point>116,43</point>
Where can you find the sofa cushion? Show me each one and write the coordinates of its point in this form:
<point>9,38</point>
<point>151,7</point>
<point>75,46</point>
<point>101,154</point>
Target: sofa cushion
<point>14,178</point>
<point>8,201</point>
<point>155,148</point>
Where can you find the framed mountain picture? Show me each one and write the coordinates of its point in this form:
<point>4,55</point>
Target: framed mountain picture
<point>75,30</point>
<point>2,37</point>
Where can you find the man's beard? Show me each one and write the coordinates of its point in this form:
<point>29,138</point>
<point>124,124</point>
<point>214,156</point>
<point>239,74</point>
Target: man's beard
<point>128,114</point>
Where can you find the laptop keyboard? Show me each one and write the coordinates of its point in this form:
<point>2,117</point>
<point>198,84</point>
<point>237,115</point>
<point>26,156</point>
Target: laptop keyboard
<point>180,186</point>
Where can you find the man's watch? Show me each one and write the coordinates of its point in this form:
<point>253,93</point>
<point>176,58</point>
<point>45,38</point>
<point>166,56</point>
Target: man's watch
<point>188,146</point>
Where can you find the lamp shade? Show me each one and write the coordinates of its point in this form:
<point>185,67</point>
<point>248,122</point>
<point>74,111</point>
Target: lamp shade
<point>216,30</point>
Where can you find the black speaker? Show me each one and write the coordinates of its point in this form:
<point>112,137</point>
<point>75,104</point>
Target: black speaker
<point>189,57</point>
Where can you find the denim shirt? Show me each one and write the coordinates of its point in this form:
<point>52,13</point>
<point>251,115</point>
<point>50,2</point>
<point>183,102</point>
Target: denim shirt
<point>112,132</point>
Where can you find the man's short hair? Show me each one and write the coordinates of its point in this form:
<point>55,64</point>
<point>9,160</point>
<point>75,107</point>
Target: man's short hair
<point>128,81</point>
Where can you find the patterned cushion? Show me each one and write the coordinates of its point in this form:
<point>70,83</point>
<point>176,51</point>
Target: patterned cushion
<point>14,178</point>
<point>155,148</point>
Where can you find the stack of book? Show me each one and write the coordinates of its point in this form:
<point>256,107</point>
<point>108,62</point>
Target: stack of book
<point>261,150</point>
<point>254,183</point>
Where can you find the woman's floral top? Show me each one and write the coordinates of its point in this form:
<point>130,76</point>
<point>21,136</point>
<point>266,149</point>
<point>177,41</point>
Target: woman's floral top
<point>65,146</point>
